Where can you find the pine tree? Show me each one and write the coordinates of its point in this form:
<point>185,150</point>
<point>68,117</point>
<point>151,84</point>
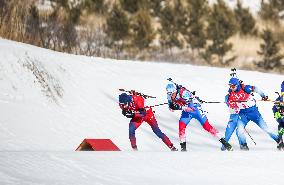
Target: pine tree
<point>33,24</point>
<point>172,19</point>
<point>278,4</point>
<point>143,31</point>
<point>195,29</point>
<point>270,51</point>
<point>117,29</point>
<point>221,26</point>
<point>69,36</point>
<point>269,12</point>
<point>98,6</point>
<point>117,24</point>
<point>154,6</point>
<point>244,19</point>
<point>132,6</point>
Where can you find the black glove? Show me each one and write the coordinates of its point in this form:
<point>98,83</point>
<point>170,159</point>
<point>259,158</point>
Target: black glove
<point>128,113</point>
<point>178,87</point>
<point>142,112</point>
<point>265,98</point>
<point>174,106</point>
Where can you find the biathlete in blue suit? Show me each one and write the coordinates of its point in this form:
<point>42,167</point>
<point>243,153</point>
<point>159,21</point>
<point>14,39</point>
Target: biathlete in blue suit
<point>180,98</point>
<point>240,97</point>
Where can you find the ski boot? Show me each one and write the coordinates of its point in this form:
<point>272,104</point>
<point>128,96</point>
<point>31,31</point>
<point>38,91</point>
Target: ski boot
<point>183,146</point>
<point>280,144</point>
<point>244,147</point>
<point>226,144</point>
<point>135,148</point>
<point>173,149</point>
<point>223,148</point>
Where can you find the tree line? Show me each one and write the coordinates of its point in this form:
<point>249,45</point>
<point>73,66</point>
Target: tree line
<point>144,28</point>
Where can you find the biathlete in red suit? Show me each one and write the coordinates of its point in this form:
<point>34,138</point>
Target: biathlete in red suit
<point>133,107</point>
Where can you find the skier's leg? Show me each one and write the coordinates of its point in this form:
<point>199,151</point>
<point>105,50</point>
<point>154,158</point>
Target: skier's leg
<point>281,129</point>
<point>241,123</point>
<point>261,123</point>
<point>183,122</point>
<point>182,135</point>
<point>231,126</point>
<point>133,125</point>
<point>280,132</point>
<point>154,125</point>
<point>202,118</point>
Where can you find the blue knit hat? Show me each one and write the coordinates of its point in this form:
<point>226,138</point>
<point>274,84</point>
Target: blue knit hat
<point>234,81</point>
<point>282,87</point>
<point>125,98</point>
<point>171,88</point>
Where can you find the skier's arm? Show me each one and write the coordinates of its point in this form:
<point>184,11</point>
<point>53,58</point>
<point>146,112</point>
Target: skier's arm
<point>172,104</point>
<point>227,100</point>
<point>249,89</point>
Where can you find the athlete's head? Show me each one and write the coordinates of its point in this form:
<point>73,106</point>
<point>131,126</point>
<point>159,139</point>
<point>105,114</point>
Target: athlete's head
<point>124,99</point>
<point>171,88</point>
<point>234,84</point>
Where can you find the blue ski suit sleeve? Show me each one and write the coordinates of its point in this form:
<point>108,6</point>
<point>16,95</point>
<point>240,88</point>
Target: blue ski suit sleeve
<point>227,100</point>
<point>249,89</point>
<point>274,108</point>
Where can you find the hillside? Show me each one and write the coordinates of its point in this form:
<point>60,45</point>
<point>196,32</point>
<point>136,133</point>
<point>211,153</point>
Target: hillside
<point>51,101</point>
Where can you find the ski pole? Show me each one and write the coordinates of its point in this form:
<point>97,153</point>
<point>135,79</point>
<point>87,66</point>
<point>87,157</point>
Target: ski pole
<point>220,101</point>
<point>250,136</point>
<point>156,105</point>
<point>212,102</point>
<point>171,80</point>
<point>138,93</point>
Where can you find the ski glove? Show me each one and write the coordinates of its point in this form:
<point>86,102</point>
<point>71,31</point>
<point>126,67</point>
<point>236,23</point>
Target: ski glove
<point>281,131</point>
<point>128,113</point>
<point>140,113</point>
<point>278,115</point>
<point>174,106</point>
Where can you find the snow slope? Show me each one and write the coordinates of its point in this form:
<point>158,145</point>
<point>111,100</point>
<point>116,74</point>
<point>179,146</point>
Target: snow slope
<point>51,101</point>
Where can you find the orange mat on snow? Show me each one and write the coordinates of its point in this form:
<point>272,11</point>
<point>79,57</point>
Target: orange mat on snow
<point>97,145</point>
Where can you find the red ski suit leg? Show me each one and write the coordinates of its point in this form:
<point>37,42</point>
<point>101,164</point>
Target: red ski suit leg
<point>151,120</point>
<point>209,128</point>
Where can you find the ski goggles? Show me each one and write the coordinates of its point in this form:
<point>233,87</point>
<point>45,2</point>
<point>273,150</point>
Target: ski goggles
<point>232,86</point>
